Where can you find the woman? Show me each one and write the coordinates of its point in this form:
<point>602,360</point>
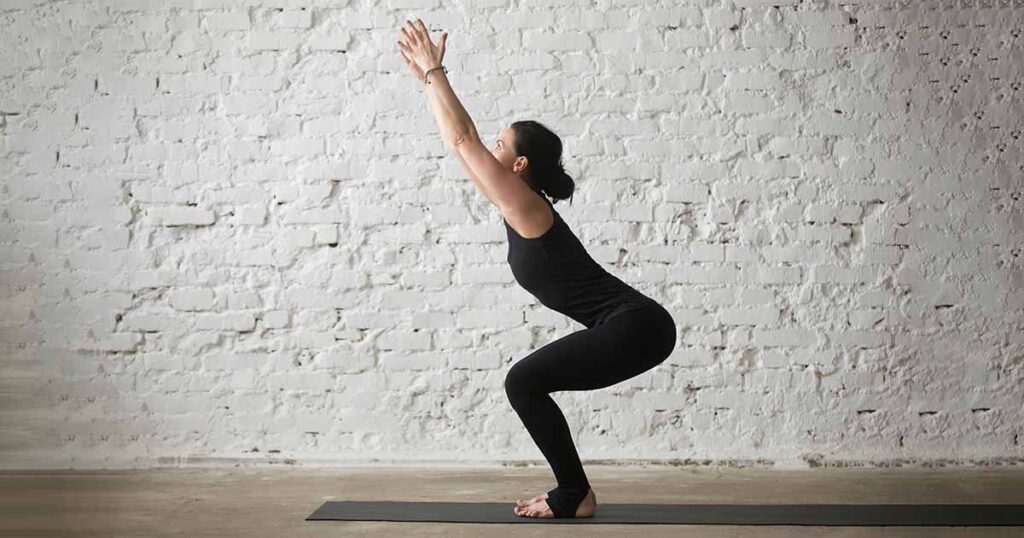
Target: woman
<point>626,334</point>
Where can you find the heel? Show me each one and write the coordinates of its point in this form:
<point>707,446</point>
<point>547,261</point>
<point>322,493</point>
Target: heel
<point>564,501</point>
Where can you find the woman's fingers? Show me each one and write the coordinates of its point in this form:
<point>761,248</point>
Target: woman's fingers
<point>424,33</point>
<point>416,40</point>
<point>416,71</point>
<point>407,36</point>
<point>408,61</point>
<point>406,53</point>
<point>413,32</point>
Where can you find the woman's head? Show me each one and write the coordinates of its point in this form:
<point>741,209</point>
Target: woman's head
<point>535,153</point>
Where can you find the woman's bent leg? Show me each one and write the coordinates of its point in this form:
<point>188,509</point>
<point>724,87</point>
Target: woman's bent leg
<point>588,359</point>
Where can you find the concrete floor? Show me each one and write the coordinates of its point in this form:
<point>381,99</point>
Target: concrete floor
<point>229,502</point>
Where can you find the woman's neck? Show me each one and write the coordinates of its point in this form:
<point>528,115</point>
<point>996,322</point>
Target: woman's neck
<point>532,186</point>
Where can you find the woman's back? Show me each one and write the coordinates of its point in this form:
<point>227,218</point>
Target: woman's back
<point>557,270</point>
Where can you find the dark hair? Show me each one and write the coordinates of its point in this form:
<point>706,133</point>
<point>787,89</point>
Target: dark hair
<point>543,150</point>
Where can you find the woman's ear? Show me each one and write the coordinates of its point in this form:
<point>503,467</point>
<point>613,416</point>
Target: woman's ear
<point>519,160</point>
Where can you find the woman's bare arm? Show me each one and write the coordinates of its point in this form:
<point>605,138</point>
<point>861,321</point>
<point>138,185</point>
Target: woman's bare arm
<point>424,58</point>
<point>500,186</point>
<point>476,181</point>
<point>455,123</point>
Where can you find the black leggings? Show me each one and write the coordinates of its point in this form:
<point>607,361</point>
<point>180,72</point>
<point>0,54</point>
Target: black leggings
<point>617,348</point>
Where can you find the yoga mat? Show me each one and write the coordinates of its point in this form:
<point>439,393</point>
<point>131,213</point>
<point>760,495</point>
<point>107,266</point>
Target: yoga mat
<point>856,515</point>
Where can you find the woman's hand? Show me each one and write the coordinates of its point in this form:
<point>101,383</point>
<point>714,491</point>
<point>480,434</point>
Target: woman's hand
<point>418,52</point>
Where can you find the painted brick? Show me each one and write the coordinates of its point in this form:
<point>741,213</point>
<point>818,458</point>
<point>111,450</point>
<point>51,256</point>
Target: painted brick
<point>249,211</point>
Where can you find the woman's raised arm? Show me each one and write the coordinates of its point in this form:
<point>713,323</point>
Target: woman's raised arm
<point>499,185</point>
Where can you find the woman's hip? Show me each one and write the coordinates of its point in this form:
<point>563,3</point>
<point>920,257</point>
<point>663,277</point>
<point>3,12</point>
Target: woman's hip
<point>647,327</point>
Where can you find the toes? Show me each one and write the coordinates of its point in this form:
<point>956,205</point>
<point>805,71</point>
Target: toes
<point>528,502</point>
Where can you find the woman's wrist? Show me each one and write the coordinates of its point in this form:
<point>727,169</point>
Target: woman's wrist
<point>426,75</point>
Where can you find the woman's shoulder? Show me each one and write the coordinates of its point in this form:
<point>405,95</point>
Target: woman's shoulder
<point>531,221</point>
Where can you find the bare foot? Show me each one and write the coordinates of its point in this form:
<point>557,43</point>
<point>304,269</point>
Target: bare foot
<point>521,503</point>
<point>540,508</point>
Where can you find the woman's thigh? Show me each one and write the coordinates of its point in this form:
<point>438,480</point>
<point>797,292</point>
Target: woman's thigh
<point>618,349</point>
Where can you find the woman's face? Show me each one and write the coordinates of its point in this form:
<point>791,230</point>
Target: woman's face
<point>501,148</point>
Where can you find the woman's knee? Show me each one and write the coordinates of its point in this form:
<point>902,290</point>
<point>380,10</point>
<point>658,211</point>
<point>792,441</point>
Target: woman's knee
<point>516,381</point>
<point>664,326</point>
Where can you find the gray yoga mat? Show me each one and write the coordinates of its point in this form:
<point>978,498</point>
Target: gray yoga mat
<point>689,514</point>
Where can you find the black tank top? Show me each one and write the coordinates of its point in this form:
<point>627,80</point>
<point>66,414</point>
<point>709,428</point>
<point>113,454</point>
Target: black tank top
<point>557,270</point>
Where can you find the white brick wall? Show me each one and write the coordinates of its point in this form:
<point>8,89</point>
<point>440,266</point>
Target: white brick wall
<point>234,232</point>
